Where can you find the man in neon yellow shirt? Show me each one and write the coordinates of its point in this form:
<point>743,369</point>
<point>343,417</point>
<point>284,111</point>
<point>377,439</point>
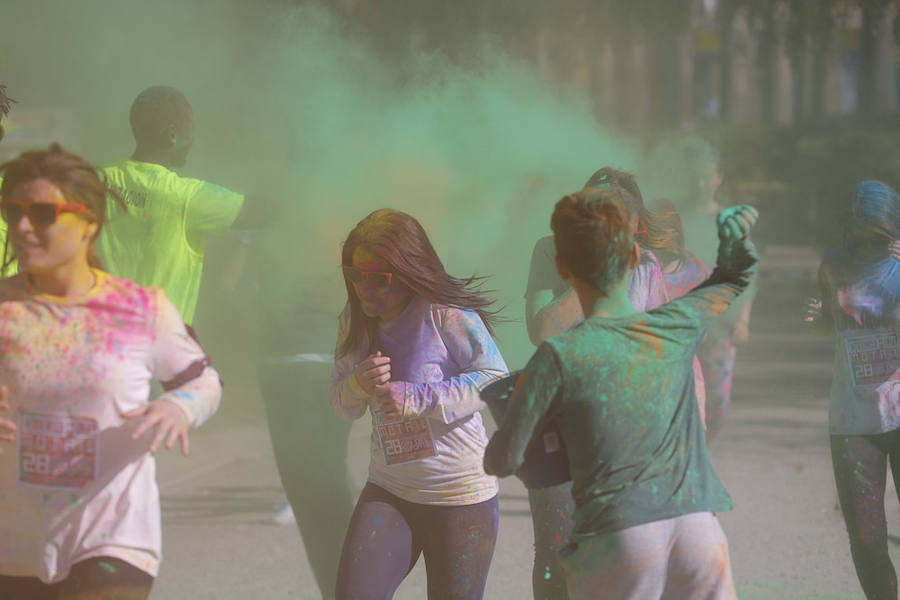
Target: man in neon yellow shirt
<point>159,238</point>
<point>11,268</point>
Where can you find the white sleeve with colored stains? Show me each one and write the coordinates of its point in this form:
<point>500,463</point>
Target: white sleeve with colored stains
<point>472,348</point>
<point>647,287</point>
<point>176,358</point>
<point>348,400</point>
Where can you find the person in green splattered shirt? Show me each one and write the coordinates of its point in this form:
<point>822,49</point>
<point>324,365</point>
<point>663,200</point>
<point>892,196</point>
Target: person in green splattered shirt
<point>621,389</point>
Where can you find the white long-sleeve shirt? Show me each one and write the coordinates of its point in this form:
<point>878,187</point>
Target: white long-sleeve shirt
<point>74,485</point>
<point>434,453</point>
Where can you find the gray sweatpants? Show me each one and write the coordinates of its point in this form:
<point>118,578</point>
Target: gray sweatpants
<point>672,559</point>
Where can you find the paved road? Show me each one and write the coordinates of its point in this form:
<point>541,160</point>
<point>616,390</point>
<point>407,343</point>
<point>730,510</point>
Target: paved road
<point>787,539</point>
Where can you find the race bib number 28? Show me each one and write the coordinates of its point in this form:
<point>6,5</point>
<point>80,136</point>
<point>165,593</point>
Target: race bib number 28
<point>404,440</point>
<point>57,451</point>
<point>874,359</point>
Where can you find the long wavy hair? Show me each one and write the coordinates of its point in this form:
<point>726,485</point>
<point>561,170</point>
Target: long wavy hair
<point>400,239</point>
<point>665,233</point>
<point>625,185</point>
<point>78,180</point>
<point>873,222</point>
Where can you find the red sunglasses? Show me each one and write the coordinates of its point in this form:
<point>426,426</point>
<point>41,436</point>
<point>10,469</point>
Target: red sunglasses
<point>376,278</point>
<point>641,228</point>
<point>41,214</point>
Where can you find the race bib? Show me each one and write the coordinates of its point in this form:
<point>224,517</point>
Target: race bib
<point>57,451</point>
<point>873,359</point>
<point>404,440</point>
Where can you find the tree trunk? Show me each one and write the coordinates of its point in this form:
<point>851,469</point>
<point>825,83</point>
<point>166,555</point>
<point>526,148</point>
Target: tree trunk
<point>624,76</point>
<point>767,54</point>
<point>727,12</point>
<point>872,14</point>
<point>664,71</point>
<point>798,44</point>
<point>821,35</point>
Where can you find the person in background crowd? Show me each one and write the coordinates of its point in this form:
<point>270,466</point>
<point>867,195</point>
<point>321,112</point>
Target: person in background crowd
<point>158,237</point>
<point>687,170</point>
<point>859,284</point>
<point>682,270</point>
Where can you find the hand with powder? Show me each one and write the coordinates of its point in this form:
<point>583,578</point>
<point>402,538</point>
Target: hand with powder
<point>391,398</point>
<point>735,222</point>
<point>813,310</point>
<point>372,372</point>
<point>894,249</point>
<point>170,421</point>
<point>7,427</point>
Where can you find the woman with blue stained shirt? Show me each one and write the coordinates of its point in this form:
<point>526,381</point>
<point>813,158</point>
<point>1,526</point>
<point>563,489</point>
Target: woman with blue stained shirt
<point>414,347</point>
<point>620,388</point>
<point>859,285</point>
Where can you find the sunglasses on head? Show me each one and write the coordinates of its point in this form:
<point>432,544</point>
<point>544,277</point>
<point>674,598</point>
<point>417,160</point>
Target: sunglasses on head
<point>41,214</point>
<point>375,278</point>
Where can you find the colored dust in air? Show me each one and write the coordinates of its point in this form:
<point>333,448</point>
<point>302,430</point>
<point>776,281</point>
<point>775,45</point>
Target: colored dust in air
<point>293,112</point>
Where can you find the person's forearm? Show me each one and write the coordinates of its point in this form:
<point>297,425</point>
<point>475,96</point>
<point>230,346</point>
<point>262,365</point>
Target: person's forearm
<point>449,400</point>
<point>499,458</point>
<point>348,400</point>
<point>198,397</point>
<point>736,264</point>
<point>560,315</point>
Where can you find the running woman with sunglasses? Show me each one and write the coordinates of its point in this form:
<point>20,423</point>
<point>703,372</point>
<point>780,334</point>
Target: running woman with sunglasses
<point>79,505</point>
<point>859,284</point>
<point>414,347</point>
<point>551,308</point>
<point>620,388</point>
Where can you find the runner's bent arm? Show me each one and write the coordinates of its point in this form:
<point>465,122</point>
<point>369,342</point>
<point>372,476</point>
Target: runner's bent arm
<point>178,360</point>
<point>529,402</point>
<point>547,315</point>
<point>474,351</point>
<point>734,272</point>
<point>819,311</point>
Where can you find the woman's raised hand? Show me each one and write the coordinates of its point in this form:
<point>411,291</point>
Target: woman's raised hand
<point>736,222</point>
<point>7,428</point>
<point>372,372</point>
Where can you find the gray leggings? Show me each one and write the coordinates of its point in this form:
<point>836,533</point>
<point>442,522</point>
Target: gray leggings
<point>860,472</point>
<point>552,513</point>
<point>387,534</point>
